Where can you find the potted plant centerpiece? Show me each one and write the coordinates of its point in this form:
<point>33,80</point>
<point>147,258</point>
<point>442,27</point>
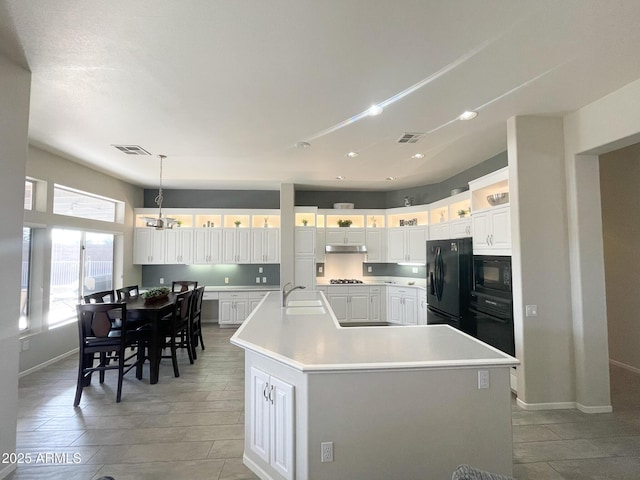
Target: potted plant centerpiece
<point>344,223</point>
<point>156,294</point>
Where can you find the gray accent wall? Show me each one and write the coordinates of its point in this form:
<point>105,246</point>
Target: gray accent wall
<point>214,198</point>
<point>393,270</point>
<point>211,275</point>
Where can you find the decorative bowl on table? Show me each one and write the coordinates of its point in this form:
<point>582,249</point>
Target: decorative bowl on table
<point>498,198</point>
<point>157,294</point>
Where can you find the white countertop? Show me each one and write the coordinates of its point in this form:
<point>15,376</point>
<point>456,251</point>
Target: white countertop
<point>318,343</point>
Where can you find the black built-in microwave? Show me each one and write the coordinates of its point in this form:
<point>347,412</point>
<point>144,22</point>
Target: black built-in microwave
<point>492,274</point>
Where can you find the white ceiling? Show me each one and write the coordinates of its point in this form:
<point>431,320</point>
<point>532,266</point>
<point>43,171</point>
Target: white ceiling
<point>226,88</point>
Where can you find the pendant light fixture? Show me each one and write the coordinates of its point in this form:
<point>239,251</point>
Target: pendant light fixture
<point>160,223</point>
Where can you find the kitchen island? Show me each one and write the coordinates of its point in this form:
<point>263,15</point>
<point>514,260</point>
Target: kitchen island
<point>406,402</point>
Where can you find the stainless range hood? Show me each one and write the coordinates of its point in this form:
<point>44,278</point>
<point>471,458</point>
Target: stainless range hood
<point>346,249</point>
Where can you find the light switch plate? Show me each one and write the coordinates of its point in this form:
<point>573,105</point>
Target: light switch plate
<point>264,279</point>
<point>257,279</point>
<point>226,279</point>
<point>483,379</point>
<point>531,310</point>
<point>369,269</point>
<point>260,270</point>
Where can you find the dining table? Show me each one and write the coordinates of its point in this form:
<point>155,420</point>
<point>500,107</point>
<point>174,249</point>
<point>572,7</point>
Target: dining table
<point>152,312</point>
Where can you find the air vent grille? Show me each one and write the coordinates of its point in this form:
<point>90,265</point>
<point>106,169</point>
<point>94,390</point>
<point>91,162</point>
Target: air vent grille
<point>411,137</point>
<point>132,149</point>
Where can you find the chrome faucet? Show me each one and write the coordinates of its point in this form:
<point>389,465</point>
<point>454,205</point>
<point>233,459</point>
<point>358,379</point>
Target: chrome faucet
<point>285,292</point>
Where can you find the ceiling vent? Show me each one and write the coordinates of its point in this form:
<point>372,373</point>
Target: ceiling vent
<point>132,149</point>
<point>411,137</point>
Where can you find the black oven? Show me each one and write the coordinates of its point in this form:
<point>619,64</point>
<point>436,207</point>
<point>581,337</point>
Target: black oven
<point>492,273</point>
<point>491,302</point>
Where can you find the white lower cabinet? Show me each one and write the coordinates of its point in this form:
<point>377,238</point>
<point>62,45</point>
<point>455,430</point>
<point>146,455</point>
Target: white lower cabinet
<point>235,307</point>
<point>402,306</point>
<point>349,303</point>
<point>422,308</point>
<point>375,304</point>
<point>272,413</point>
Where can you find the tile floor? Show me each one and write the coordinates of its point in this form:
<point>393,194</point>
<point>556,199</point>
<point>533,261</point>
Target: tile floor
<point>191,427</point>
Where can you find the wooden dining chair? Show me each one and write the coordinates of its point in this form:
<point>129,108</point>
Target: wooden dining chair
<point>183,285</point>
<point>100,339</point>
<point>126,293</point>
<point>175,328</point>
<point>195,322</point>
<point>108,296</point>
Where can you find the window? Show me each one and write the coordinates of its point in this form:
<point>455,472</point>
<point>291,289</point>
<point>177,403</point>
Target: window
<point>25,281</point>
<point>28,194</point>
<point>81,263</point>
<point>75,203</point>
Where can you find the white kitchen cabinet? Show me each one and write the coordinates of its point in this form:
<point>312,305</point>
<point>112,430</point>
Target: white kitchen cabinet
<point>344,236</point>
<point>148,246</point>
<point>234,308</point>
<point>439,231</point>
<point>178,246</point>
<point>354,303</point>
<point>255,298</point>
<point>375,304</point>
<point>407,244</point>
<point>265,245</point>
<point>305,241</point>
<point>422,307</point>
<point>320,245</point>
<point>402,306</point>
<point>236,245</point>
<point>305,271</point>
<point>272,415</point>
<point>460,228</point>
<point>375,244</point>
<point>207,247</point>
<point>339,303</point>
<point>492,231</point>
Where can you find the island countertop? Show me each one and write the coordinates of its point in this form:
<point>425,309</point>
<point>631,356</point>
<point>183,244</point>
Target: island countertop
<point>317,342</point>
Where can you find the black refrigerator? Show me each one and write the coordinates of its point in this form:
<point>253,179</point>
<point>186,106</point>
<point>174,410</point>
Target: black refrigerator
<point>449,282</point>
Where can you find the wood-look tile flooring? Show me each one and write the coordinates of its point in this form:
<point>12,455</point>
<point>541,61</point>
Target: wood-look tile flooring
<point>191,427</point>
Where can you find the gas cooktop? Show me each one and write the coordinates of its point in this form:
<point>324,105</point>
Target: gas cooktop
<point>344,280</point>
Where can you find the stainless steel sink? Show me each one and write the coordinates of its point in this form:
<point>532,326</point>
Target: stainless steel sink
<point>304,303</point>
<point>308,310</point>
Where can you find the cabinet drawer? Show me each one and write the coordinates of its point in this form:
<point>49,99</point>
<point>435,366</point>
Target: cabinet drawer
<point>362,290</point>
<point>210,296</point>
<point>375,289</point>
<point>257,295</point>
<point>340,289</point>
<point>234,296</point>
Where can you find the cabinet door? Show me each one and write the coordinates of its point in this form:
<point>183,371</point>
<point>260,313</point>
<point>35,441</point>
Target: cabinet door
<point>374,307</point>
<point>410,307</point>
<point>215,246</point>
<point>272,245</point>
<point>395,313</point>
<point>339,305</point>
<point>354,236</point>
<point>243,245</point>
<point>335,236</point>
<point>141,246</point>
<point>460,228</point>
<point>260,413</point>
<point>257,245</point>
<point>201,245</point>
<point>241,311</point>
<point>305,272</point>
<point>374,243</point>
<point>359,307</point>
<point>422,309</point>
<point>395,245</point>
<point>305,240</point>
<point>225,309</point>
<point>417,244</point>
<point>229,245</point>
<point>481,229</point>
<point>501,228</point>
<point>172,246</point>
<point>440,231</point>
<point>281,425</point>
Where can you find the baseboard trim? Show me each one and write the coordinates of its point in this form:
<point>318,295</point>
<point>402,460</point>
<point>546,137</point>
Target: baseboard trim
<point>47,363</point>
<point>546,406</point>
<point>598,409</point>
<point>259,471</point>
<point>6,471</point>
<point>625,366</point>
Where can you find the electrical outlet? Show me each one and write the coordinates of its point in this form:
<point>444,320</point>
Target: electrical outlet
<point>257,279</point>
<point>264,279</point>
<point>369,269</point>
<point>531,310</point>
<point>226,279</point>
<point>414,269</point>
<point>260,270</point>
<point>320,269</point>
<point>483,379</point>
<point>161,281</point>
<point>327,452</point>
<point>25,345</point>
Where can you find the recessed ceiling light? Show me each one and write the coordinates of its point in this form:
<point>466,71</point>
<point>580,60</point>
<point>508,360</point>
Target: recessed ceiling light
<point>352,154</point>
<point>374,110</point>
<point>303,145</point>
<point>391,178</point>
<point>468,115</point>
<point>340,177</point>
<point>418,155</point>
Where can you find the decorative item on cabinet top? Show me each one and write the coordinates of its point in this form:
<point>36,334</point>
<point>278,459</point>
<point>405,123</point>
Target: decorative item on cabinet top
<point>408,223</point>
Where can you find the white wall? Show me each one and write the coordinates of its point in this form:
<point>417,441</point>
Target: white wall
<point>607,124</point>
<point>15,85</point>
<point>45,344</point>
<point>619,181</point>
<point>540,261</point>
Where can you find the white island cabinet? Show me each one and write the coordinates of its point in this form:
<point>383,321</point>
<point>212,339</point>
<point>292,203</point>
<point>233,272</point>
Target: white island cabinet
<point>445,388</point>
